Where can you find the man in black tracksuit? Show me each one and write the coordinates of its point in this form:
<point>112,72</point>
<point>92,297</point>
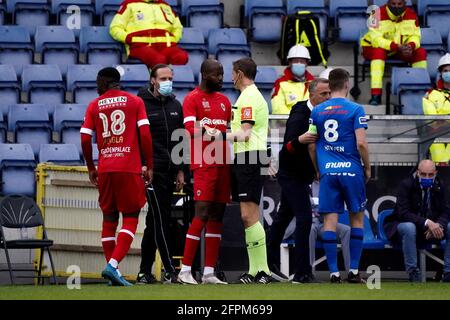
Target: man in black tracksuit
<point>165,114</point>
<point>296,173</point>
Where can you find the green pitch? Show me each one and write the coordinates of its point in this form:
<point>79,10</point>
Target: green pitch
<point>274,291</point>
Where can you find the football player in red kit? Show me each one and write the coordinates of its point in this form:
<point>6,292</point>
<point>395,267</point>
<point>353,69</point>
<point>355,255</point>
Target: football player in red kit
<point>207,112</point>
<point>120,123</point>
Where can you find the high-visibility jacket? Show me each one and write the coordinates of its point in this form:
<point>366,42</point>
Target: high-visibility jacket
<point>288,91</point>
<point>146,22</point>
<point>389,30</point>
<point>437,101</point>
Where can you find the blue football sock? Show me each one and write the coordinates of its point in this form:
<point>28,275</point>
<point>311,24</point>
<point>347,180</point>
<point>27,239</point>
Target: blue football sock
<point>356,244</point>
<point>330,246</point>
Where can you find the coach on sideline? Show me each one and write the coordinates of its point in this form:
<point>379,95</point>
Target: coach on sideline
<point>295,174</point>
<point>165,115</point>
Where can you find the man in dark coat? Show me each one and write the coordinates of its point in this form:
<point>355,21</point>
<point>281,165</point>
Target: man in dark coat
<point>421,216</point>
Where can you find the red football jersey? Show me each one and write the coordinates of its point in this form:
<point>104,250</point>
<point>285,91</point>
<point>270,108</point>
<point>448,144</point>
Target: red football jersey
<point>213,110</point>
<point>115,117</point>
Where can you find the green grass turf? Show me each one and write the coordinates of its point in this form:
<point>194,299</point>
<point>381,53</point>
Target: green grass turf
<point>274,291</point>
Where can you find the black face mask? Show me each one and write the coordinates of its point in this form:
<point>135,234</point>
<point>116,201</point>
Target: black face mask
<point>212,85</point>
<point>396,11</point>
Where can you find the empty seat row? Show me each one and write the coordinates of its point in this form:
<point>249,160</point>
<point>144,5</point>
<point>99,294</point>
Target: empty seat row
<point>18,162</point>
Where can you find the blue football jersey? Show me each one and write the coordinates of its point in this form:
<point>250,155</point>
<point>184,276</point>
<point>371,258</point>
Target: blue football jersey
<point>336,121</point>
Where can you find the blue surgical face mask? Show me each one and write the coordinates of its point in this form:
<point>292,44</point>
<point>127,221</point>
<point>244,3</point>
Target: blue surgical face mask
<point>446,76</point>
<point>298,69</point>
<point>165,88</point>
<point>426,182</point>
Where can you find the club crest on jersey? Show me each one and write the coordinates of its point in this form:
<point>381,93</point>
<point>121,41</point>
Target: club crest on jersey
<point>222,106</point>
<point>246,113</point>
<point>199,193</point>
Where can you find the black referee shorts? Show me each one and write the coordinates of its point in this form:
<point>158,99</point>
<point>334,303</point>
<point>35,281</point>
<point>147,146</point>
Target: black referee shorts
<point>247,182</point>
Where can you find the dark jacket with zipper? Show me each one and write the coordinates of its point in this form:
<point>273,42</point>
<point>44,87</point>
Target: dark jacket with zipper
<point>409,205</point>
<point>165,115</point>
<point>294,156</point>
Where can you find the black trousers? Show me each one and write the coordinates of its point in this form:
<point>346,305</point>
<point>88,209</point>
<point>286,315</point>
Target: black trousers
<point>157,223</point>
<point>295,202</point>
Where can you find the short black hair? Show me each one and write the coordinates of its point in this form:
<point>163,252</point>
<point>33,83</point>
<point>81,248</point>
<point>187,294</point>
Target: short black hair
<point>247,66</point>
<point>337,79</point>
<point>110,73</point>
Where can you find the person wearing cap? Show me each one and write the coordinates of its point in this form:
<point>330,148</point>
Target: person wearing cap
<point>292,87</point>
<point>150,31</point>
<point>437,101</point>
<point>395,33</point>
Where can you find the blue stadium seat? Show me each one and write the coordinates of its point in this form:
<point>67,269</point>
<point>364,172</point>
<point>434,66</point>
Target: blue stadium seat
<point>29,13</point>
<point>106,9</point>
<point>380,224</point>
<point>31,125</point>
<point>228,86</point>
<point>66,12</point>
<point>15,47</point>
<point>317,7</point>
<point>98,46</point>
<point>410,85</point>
<point>9,87</point>
<point>228,45</point>
<point>57,45</point>
<point>264,19</point>
<point>183,81</point>
<point>17,166</point>
<point>203,14</point>
<point>43,83</point>
<point>432,42</point>
<point>2,13</point>
<point>265,78</point>
<point>81,82</point>
<point>67,121</point>
<point>133,76</point>
<point>436,14</point>
<point>383,2</point>
<point>194,43</point>
<point>3,129</point>
<point>174,5</point>
<point>350,18</point>
<point>63,154</point>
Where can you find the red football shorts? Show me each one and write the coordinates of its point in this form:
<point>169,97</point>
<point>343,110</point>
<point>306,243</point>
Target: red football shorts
<point>212,184</point>
<point>121,191</point>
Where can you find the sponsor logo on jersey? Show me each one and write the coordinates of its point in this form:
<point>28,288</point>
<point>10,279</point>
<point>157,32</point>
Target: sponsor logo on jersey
<point>215,122</point>
<point>114,100</point>
<point>362,120</point>
<point>247,113</point>
<point>337,165</point>
<point>205,104</point>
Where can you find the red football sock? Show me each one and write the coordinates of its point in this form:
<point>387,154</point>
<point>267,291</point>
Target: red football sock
<point>109,238</point>
<point>192,240</point>
<point>212,239</point>
<point>125,238</point>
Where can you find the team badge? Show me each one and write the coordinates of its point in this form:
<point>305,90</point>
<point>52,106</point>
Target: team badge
<point>222,106</point>
<point>140,16</point>
<point>292,97</point>
<point>246,113</point>
<point>199,193</point>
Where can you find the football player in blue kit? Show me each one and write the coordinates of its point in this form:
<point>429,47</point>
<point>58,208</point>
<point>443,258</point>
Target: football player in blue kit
<point>340,125</point>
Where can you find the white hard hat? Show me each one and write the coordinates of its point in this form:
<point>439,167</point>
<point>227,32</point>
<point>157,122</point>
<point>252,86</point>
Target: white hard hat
<point>325,73</point>
<point>298,51</point>
<point>444,60</point>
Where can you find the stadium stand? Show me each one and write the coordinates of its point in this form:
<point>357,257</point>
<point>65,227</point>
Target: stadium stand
<point>264,19</point>
<point>203,14</point>
<point>432,42</point>
<point>133,76</point>
<point>67,121</point>
<point>65,154</point>
<point>410,85</point>
<point>3,129</point>
<point>65,9</point>
<point>228,45</point>
<point>265,78</point>
<point>317,7</point>
<point>17,165</point>
<point>98,46</point>
<point>436,14</point>
<point>106,9</point>
<point>9,87</point>
<point>15,47</point>
<point>29,13</point>
<point>57,45</point>
<point>349,18</point>
<point>183,81</point>
<point>43,83</point>
<point>30,124</point>
<point>81,82</point>
<point>194,43</point>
